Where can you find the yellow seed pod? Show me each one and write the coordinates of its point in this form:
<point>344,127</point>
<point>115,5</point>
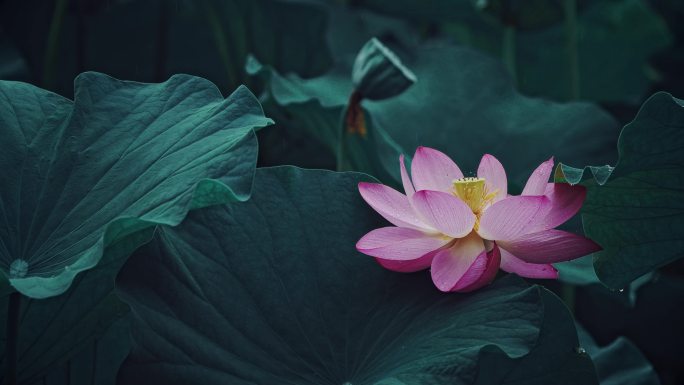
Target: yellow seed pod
<point>471,191</point>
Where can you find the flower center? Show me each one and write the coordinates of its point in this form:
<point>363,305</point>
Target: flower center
<point>18,268</point>
<point>473,192</point>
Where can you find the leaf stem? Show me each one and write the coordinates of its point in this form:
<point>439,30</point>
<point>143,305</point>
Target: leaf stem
<point>570,11</point>
<point>340,147</point>
<point>13,310</point>
<point>162,42</point>
<point>568,295</point>
<point>352,123</point>
<point>221,42</point>
<point>80,36</point>
<point>50,58</point>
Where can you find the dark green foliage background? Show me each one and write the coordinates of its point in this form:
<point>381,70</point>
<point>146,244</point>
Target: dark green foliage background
<point>506,83</point>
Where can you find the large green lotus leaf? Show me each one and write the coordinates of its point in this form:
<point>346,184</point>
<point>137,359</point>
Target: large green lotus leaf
<point>277,146</point>
<point>80,337</point>
<point>465,109</point>
<point>97,363</point>
<point>596,176</point>
<point>638,215</point>
<point>654,324</point>
<point>272,291</point>
<point>633,201</point>
<point>470,108</point>
<point>348,29</point>
<point>317,106</point>
<point>619,363</point>
<point>615,40</point>
<point>121,157</point>
<point>558,358</point>
<point>581,272</point>
<point>578,272</point>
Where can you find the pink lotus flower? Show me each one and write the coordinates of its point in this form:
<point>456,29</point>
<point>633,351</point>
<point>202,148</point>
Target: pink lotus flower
<point>464,229</point>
